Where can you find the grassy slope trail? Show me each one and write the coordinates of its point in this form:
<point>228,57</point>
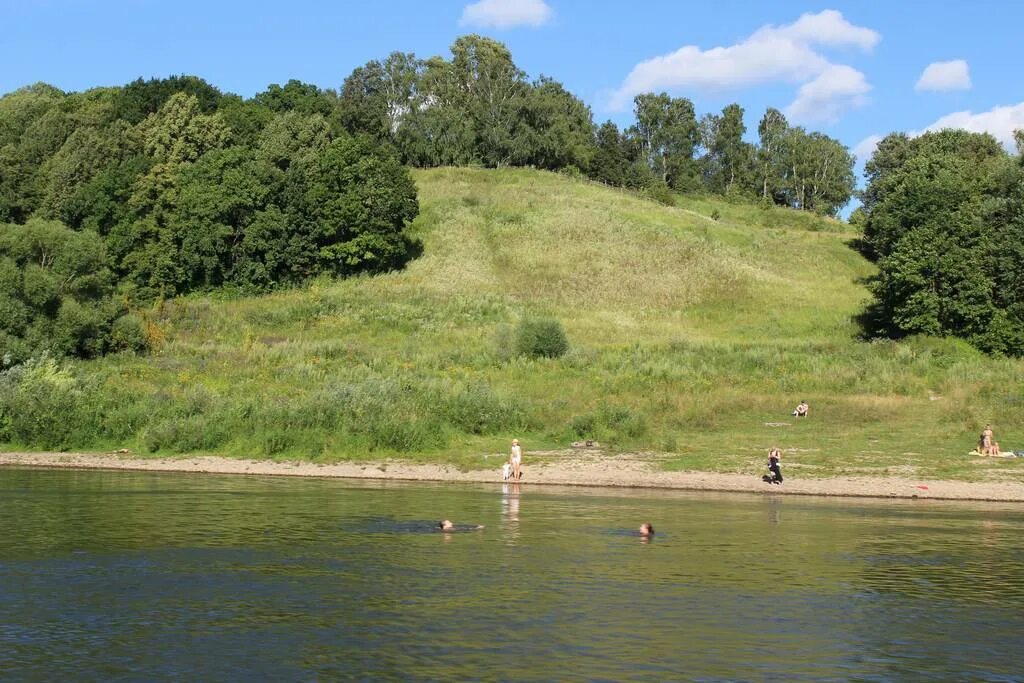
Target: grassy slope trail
<point>691,338</point>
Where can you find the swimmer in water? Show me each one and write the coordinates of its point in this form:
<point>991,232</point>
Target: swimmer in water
<point>446,525</point>
<point>646,529</point>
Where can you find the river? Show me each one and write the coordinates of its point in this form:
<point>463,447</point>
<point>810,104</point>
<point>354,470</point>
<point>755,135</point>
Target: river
<point>152,576</point>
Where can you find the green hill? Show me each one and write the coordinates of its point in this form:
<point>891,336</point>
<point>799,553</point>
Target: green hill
<point>691,338</point>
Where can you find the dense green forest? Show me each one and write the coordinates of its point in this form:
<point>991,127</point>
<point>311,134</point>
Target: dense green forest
<point>118,196</point>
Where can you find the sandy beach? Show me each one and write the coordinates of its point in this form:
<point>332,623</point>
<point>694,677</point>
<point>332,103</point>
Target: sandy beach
<point>567,469</point>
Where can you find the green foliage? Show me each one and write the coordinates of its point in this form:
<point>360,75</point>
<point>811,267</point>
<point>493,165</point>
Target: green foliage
<point>541,338</point>
<point>140,98</point>
<point>191,189</point>
<point>188,189</point>
<point>179,132</point>
<point>33,126</point>
<point>660,192</point>
<point>477,409</point>
<point>189,434</point>
<point>358,200</point>
<point>772,131</point>
<point>666,134</point>
<point>41,405</point>
<point>56,291</point>
<point>728,165</point>
<point>690,335</point>
<point>943,215</point>
<point>128,333</point>
<point>609,424</point>
<point>296,96</point>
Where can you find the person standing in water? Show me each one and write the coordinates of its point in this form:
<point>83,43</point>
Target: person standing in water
<point>517,460</point>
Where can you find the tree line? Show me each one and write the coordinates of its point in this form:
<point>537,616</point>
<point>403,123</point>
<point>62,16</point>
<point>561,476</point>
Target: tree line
<point>943,216</point>
<point>480,108</point>
<point>116,196</point>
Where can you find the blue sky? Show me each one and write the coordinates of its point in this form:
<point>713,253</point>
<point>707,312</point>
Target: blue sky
<point>852,70</point>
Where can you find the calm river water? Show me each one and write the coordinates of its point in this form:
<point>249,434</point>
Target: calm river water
<point>142,576</point>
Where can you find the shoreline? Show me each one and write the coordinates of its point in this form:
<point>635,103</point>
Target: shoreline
<point>625,472</point>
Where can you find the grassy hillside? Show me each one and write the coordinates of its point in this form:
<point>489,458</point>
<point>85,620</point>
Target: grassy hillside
<point>689,337</point>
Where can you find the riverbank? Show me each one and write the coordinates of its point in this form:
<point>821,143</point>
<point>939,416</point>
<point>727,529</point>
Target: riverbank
<point>572,469</point>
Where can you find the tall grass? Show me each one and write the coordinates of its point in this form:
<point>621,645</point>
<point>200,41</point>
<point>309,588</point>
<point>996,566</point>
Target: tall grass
<point>688,338</point>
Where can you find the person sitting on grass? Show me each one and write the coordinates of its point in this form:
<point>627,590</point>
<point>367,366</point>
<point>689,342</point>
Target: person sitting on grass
<point>801,409</point>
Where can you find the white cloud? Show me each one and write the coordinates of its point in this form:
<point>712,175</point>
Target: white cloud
<point>827,27</point>
<point>788,54</point>
<point>833,91</point>
<point>999,121</point>
<point>866,147</point>
<point>503,14</point>
<point>952,75</point>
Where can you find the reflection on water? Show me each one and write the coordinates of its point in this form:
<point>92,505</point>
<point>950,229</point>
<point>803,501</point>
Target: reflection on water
<point>114,575</point>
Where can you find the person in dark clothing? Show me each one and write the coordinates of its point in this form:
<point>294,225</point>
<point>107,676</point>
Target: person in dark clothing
<point>774,456</point>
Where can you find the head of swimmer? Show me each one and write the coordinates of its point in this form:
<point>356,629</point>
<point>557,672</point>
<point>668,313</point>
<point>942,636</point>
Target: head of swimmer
<point>445,525</point>
<point>646,529</point>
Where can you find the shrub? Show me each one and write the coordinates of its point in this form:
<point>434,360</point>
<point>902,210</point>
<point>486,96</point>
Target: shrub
<point>395,433</point>
<point>608,423</point>
<point>40,404</point>
<point>505,343</point>
<point>128,333</point>
<point>478,410</point>
<point>716,215</point>
<point>195,433</point>
<point>572,171</point>
<point>541,338</point>
<point>582,426</point>
<point>55,290</point>
<point>661,193</point>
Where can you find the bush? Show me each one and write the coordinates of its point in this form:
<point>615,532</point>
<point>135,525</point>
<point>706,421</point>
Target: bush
<point>541,338</point>
<point>55,291</point>
<point>661,193</point>
<point>128,333</point>
<point>395,433</point>
<point>478,410</point>
<point>195,433</point>
<point>583,426</point>
<point>608,423</point>
<point>40,404</point>
<point>716,215</point>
